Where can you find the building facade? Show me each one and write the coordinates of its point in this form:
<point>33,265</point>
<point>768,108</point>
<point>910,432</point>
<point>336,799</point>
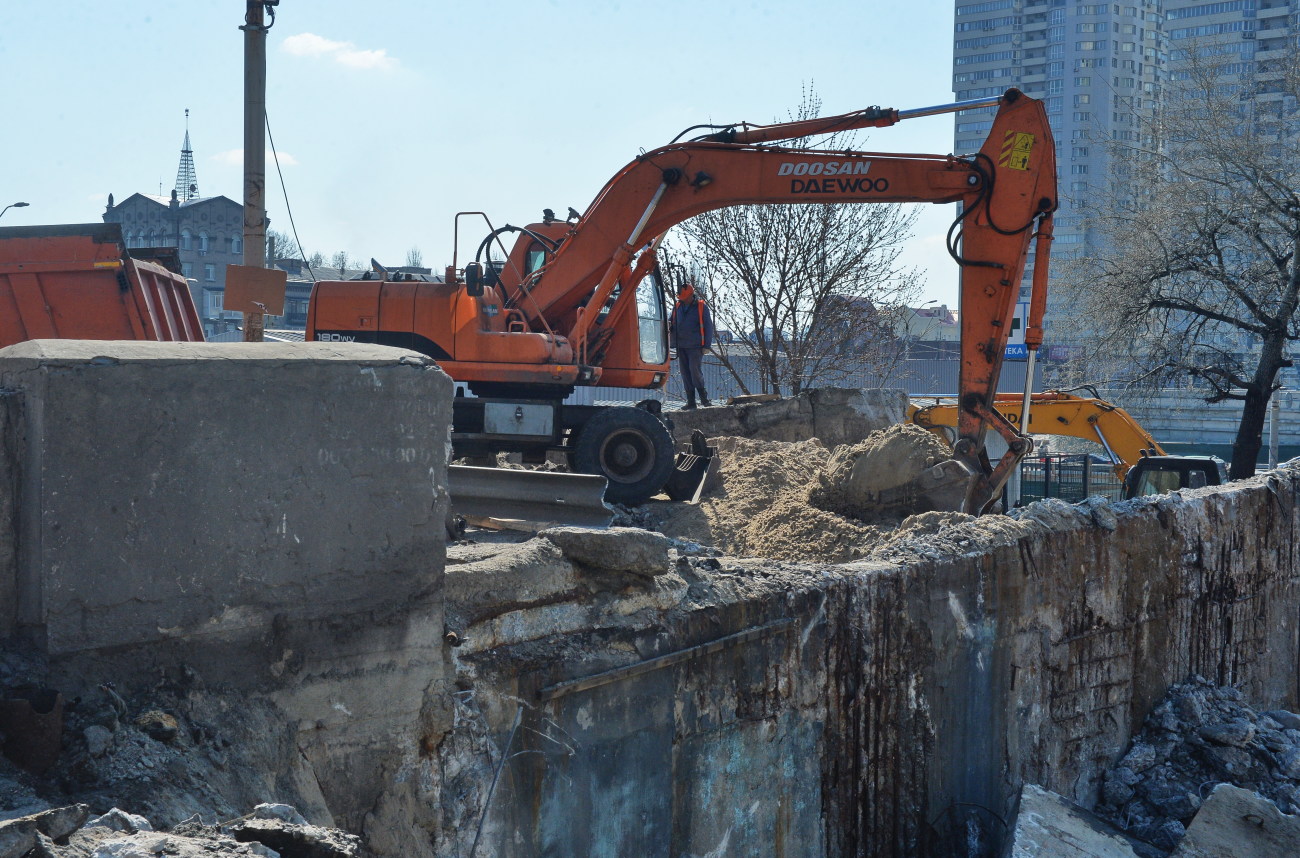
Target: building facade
<point>1096,66</point>
<point>207,232</point>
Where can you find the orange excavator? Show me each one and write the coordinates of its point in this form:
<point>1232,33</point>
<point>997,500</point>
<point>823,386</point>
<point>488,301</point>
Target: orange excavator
<point>579,301</point>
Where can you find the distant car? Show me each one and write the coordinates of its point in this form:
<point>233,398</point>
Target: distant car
<point>1156,475</point>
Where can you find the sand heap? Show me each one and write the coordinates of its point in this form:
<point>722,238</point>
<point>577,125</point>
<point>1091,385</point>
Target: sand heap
<point>878,477</point>
<point>787,500</point>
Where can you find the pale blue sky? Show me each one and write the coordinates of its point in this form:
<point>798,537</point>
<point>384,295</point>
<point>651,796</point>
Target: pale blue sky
<point>393,115</point>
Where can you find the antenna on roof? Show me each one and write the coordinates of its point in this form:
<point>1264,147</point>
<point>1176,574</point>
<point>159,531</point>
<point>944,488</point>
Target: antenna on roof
<point>187,183</point>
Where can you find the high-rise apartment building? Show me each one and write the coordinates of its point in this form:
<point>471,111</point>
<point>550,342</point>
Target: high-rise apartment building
<point>1097,67</point>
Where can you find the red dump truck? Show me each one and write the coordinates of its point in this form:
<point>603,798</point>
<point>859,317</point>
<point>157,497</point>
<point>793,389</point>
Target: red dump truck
<point>79,282</point>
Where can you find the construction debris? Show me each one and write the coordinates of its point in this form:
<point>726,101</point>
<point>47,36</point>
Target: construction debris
<point>1237,823</point>
<point>60,833</point>
<point>617,549</point>
<point>1199,736</point>
<point>1050,826</point>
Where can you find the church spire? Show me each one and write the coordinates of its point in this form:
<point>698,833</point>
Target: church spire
<point>187,184</point>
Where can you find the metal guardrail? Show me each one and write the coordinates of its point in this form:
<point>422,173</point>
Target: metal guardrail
<point>1071,477</point>
<point>527,500</point>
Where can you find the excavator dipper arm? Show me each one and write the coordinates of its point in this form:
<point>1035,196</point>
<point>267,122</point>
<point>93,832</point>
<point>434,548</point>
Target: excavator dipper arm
<point>1007,193</point>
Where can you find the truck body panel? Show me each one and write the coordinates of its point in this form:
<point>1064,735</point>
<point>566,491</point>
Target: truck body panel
<point>78,281</point>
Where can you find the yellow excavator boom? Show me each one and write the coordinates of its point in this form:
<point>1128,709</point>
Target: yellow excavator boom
<point>1057,413</point>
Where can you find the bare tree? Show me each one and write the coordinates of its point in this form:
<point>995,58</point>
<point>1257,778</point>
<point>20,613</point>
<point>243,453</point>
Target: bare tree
<point>1201,278</point>
<point>280,245</point>
<point>812,291</point>
<point>340,261</point>
<point>414,258</point>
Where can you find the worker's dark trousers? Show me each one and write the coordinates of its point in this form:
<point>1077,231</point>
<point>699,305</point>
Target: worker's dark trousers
<point>689,362</point>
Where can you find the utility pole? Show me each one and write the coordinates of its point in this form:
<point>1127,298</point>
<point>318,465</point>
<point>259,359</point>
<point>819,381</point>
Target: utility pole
<point>255,147</point>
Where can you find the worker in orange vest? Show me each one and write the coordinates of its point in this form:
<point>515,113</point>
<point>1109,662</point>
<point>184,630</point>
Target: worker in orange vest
<point>691,332</point>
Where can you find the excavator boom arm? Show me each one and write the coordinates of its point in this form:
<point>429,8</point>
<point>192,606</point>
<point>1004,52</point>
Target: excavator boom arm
<point>1007,192</point>
<point>1058,413</point>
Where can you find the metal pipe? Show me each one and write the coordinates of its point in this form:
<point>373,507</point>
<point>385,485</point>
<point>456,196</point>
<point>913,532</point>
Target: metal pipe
<point>1274,412</point>
<point>1029,387</point>
<point>971,104</point>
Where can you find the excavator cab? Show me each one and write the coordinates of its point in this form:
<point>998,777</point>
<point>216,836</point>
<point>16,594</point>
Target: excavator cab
<point>1157,475</point>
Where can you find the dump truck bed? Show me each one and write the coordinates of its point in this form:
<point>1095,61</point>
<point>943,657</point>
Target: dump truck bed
<point>77,281</point>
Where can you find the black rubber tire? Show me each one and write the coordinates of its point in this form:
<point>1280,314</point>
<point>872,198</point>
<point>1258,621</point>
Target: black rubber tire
<point>571,449</point>
<point>631,448</point>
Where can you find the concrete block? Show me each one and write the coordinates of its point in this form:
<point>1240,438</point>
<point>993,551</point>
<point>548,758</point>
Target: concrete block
<point>11,441</point>
<point>615,549</point>
<point>270,516</point>
<point>190,490</point>
<point>1237,823</point>
<point>1049,826</point>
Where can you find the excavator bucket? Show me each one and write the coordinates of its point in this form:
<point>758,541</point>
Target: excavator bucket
<point>686,483</point>
<point>946,486</point>
<point>506,499</point>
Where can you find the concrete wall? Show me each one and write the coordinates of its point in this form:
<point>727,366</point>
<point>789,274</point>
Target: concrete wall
<point>750,707</point>
<point>267,517</point>
<point>270,517</point>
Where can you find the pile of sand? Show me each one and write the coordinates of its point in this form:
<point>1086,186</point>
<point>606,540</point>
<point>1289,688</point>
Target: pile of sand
<point>872,479</point>
<point>763,507</point>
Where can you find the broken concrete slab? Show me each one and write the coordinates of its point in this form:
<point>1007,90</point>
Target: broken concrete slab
<point>1238,823</point>
<point>235,487</point>
<point>1049,826</point>
<point>614,549</point>
<point>296,841</point>
<point>17,837</point>
<point>119,820</point>
<point>57,823</point>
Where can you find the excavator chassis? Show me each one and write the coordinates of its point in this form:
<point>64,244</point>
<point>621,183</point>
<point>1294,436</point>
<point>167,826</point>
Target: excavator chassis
<point>629,450</point>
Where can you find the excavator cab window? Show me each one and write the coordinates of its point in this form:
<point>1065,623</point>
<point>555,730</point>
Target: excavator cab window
<point>651,320</point>
<point>1155,482</point>
<point>536,258</point>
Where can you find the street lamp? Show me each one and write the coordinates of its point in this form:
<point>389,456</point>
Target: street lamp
<point>12,206</point>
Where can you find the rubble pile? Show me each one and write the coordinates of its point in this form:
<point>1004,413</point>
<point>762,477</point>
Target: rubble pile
<point>184,761</point>
<point>1199,736</point>
<point>270,831</point>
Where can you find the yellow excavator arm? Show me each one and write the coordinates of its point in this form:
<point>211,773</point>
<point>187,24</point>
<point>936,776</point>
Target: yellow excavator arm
<point>1057,413</point>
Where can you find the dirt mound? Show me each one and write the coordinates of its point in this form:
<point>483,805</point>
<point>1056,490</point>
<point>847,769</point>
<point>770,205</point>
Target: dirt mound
<point>878,476</point>
<point>763,508</point>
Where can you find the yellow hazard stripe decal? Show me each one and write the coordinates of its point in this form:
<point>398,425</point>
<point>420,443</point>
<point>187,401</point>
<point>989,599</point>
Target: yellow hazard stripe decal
<point>1016,149</point>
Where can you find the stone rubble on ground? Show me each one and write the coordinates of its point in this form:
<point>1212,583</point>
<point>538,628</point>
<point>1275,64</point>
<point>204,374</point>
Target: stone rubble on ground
<point>1199,736</point>
<point>270,831</point>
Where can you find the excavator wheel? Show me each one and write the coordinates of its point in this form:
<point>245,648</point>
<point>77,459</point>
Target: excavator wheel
<point>571,449</point>
<point>630,448</point>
